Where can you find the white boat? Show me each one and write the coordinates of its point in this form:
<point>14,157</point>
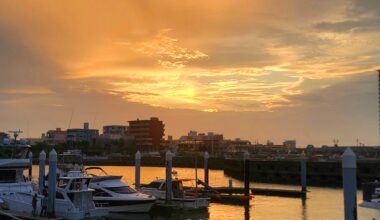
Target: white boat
<point>157,188</point>
<point>13,162</point>
<point>117,195</point>
<point>73,198</point>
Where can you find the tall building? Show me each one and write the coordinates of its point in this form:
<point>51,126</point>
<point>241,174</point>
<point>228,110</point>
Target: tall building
<point>57,136</point>
<point>114,132</point>
<point>148,134</point>
<point>82,134</point>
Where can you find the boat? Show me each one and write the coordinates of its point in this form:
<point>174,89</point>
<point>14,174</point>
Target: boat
<point>13,162</point>
<point>73,200</point>
<point>109,191</point>
<point>373,201</point>
<point>117,195</point>
<point>157,188</point>
<point>73,197</point>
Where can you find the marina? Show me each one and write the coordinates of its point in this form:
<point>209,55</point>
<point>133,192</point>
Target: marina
<point>321,202</point>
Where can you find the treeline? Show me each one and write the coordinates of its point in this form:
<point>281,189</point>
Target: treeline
<point>89,148</point>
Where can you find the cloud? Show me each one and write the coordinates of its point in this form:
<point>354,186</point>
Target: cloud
<point>169,54</point>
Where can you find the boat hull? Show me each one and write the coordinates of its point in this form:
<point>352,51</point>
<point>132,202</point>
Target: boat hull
<point>134,206</point>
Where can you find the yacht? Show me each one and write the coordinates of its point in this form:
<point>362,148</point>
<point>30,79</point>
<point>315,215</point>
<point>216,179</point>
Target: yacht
<point>13,162</point>
<point>73,198</point>
<point>109,191</point>
<point>115,194</point>
<point>157,188</point>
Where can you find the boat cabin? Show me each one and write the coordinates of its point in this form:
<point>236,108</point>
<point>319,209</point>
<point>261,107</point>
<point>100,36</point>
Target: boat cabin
<point>13,161</point>
<point>160,184</point>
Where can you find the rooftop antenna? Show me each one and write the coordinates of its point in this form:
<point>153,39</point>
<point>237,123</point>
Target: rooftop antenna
<point>71,117</point>
<point>15,134</point>
<point>336,142</point>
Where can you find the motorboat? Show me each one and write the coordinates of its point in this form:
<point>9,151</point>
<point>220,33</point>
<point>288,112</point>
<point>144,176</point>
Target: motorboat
<point>112,192</point>
<point>109,191</point>
<point>157,188</point>
<point>73,197</point>
<point>13,162</point>
<point>73,200</point>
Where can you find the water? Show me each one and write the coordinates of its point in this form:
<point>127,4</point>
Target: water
<point>321,203</point>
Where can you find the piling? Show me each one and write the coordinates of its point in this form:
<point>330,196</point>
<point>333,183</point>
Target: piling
<point>30,155</point>
<point>303,161</point>
<point>169,161</point>
<point>206,157</point>
<point>52,183</point>
<point>41,176</point>
<point>230,183</point>
<point>137,169</point>
<point>246,173</point>
<point>349,184</point>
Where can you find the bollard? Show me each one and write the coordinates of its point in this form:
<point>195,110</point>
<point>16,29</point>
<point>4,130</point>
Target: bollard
<point>206,156</point>
<point>349,184</point>
<point>246,173</point>
<point>230,183</point>
<point>169,160</point>
<point>52,183</point>
<point>30,155</point>
<point>137,169</point>
<point>303,160</point>
<point>41,176</point>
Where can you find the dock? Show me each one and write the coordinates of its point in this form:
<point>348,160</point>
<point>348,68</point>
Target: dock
<point>263,191</point>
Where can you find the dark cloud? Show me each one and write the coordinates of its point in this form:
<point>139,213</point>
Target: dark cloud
<point>362,16</point>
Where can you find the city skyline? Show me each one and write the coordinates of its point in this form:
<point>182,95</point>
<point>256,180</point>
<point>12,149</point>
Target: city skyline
<point>257,70</point>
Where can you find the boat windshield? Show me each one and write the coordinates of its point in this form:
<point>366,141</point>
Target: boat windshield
<point>13,152</point>
<point>121,189</point>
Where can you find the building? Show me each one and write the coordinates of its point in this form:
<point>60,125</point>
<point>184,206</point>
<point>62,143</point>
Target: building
<point>291,145</point>
<point>148,134</point>
<point>114,132</point>
<point>194,141</point>
<point>82,134</point>
<point>57,136</point>
<point>237,145</point>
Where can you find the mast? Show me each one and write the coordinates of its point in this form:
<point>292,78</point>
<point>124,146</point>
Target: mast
<point>379,99</point>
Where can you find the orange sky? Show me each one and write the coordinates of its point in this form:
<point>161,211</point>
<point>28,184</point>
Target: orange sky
<point>262,69</point>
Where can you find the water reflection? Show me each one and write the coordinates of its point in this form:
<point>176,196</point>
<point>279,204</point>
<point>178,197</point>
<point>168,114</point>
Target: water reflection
<point>199,215</point>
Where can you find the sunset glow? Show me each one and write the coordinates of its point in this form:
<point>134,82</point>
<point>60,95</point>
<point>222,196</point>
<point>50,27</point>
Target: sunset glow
<point>205,56</point>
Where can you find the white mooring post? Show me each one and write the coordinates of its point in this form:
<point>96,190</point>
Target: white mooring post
<point>349,184</point>
<point>206,157</point>
<point>41,175</point>
<point>303,161</point>
<point>169,161</point>
<point>52,183</point>
<point>137,169</point>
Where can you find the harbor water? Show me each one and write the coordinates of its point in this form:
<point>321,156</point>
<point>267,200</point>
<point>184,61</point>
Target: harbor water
<point>321,203</point>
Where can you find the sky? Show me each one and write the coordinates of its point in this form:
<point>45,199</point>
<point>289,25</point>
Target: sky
<point>256,69</point>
